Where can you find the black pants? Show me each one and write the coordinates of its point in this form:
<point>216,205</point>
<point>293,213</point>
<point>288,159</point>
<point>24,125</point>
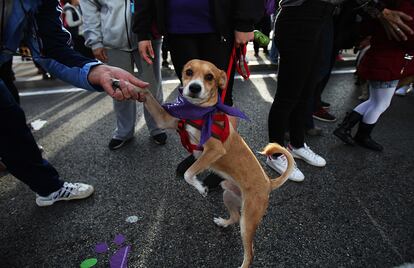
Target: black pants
<point>19,151</point>
<point>299,38</point>
<point>208,47</point>
<point>6,74</point>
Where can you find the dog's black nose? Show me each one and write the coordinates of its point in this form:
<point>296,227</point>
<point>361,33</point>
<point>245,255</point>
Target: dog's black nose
<point>195,88</point>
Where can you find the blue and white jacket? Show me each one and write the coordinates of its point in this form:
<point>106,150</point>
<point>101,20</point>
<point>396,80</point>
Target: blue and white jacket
<point>38,24</point>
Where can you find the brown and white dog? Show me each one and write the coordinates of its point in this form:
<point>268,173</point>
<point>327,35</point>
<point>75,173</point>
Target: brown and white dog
<point>246,186</point>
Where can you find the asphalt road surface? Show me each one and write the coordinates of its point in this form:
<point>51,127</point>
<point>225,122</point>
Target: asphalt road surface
<point>358,211</point>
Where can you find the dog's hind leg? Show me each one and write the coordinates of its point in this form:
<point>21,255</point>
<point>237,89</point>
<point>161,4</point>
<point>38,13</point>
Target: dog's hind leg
<point>232,201</point>
<point>253,210</point>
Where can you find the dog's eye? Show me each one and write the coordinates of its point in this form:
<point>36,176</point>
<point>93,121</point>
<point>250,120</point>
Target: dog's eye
<point>189,72</point>
<point>209,77</point>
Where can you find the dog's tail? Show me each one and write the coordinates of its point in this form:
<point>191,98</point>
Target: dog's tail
<point>273,148</point>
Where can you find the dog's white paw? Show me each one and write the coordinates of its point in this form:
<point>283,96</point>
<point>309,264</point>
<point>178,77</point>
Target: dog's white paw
<point>220,222</point>
<point>201,189</point>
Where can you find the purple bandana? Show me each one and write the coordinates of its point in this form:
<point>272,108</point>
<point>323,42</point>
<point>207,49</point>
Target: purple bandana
<point>183,109</point>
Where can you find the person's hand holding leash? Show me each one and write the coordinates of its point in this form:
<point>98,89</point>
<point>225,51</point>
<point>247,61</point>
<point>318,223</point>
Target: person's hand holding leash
<point>394,25</point>
<point>241,38</point>
<point>146,51</point>
<point>103,75</point>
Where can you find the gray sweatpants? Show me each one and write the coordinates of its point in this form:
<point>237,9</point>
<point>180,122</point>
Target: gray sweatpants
<point>126,111</point>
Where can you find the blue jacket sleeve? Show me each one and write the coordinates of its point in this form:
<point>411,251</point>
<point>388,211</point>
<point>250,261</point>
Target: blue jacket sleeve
<point>58,57</point>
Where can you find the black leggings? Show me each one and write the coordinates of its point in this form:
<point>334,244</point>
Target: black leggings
<point>208,47</point>
<point>299,38</point>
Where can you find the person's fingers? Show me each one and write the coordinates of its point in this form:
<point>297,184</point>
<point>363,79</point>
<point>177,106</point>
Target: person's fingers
<point>404,16</point>
<point>397,33</point>
<point>107,85</point>
<point>124,88</point>
<point>250,36</point>
<point>137,82</point>
<point>146,57</point>
<point>104,55</point>
<point>403,27</point>
<point>146,51</point>
<point>151,50</point>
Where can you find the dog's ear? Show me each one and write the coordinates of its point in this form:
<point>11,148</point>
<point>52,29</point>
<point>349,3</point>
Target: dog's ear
<point>222,79</point>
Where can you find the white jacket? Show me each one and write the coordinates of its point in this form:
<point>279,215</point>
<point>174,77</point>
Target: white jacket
<point>108,23</point>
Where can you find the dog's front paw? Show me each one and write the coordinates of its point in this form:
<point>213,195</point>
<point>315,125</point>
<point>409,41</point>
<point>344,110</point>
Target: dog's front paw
<point>220,222</point>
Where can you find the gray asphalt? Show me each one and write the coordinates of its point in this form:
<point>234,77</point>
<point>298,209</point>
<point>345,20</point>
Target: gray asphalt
<point>358,211</point>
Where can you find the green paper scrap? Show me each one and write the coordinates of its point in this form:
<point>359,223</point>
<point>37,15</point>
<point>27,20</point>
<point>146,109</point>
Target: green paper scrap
<point>88,263</point>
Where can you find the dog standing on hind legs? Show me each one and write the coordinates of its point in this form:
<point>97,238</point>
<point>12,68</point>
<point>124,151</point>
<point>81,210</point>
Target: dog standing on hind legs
<point>246,185</point>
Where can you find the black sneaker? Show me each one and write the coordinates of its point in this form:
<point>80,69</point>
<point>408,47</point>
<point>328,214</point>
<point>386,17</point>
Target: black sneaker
<point>165,64</point>
<point>212,181</point>
<point>325,105</point>
<point>160,139</point>
<point>115,144</point>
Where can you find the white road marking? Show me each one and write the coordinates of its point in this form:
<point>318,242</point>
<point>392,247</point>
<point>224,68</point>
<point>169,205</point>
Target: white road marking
<point>41,92</point>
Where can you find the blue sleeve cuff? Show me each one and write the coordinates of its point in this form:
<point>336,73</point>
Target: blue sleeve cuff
<point>84,74</point>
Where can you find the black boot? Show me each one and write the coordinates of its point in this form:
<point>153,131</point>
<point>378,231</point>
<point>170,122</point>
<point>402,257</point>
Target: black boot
<point>363,137</point>
<point>184,165</point>
<point>212,181</point>
<point>343,131</point>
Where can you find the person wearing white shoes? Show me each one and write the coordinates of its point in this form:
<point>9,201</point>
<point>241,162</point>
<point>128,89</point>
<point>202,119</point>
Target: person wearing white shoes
<point>38,23</point>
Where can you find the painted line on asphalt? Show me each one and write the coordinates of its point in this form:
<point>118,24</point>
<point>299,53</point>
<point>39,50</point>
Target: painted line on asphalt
<point>164,82</point>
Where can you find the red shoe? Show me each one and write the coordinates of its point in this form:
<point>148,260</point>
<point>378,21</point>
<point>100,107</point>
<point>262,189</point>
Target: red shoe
<point>323,115</point>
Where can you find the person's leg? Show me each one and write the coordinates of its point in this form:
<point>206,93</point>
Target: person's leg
<point>380,96</point>
<point>220,56</point>
<point>152,75</point>
<point>6,74</point>
<point>164,49</point>
<point>298,31</point>
<point>182,49</point>
<point>19,151</point>
<point>320,67</point>
<point>125,111</point>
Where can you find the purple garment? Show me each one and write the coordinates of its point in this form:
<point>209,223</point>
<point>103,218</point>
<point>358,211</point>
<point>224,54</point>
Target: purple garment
<point>183,109</point>
<point>189,17</point>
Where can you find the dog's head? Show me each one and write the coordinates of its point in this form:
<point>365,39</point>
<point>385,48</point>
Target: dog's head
<point>201,81</point>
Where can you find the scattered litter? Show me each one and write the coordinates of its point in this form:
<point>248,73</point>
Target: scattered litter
<point>132,219</point>
<point>119,239</point>
<point>101,248</point>
<point>88,263</point>
<point>37,124</point>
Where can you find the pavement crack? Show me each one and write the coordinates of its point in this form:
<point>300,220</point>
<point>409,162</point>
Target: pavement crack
<point>379,228</point>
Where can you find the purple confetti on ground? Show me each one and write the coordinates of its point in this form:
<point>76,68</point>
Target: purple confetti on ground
<point>120,258</point>
<point>101,248</point>
<point>119,239</point>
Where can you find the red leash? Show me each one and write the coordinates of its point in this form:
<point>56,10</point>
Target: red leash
<point>240,60</point>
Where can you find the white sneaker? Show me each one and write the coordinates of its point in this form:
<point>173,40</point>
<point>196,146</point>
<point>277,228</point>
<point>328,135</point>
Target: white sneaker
<point>402,91</point>
<point>69,191</point>
<point>306,154</point>
<point>280,165</point>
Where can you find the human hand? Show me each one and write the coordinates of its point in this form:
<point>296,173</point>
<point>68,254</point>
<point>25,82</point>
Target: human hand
<point>103,75</point>
<point>146,51</point>
<point>393,22</point>
<point>100,54</point>
<point>241,38</point>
